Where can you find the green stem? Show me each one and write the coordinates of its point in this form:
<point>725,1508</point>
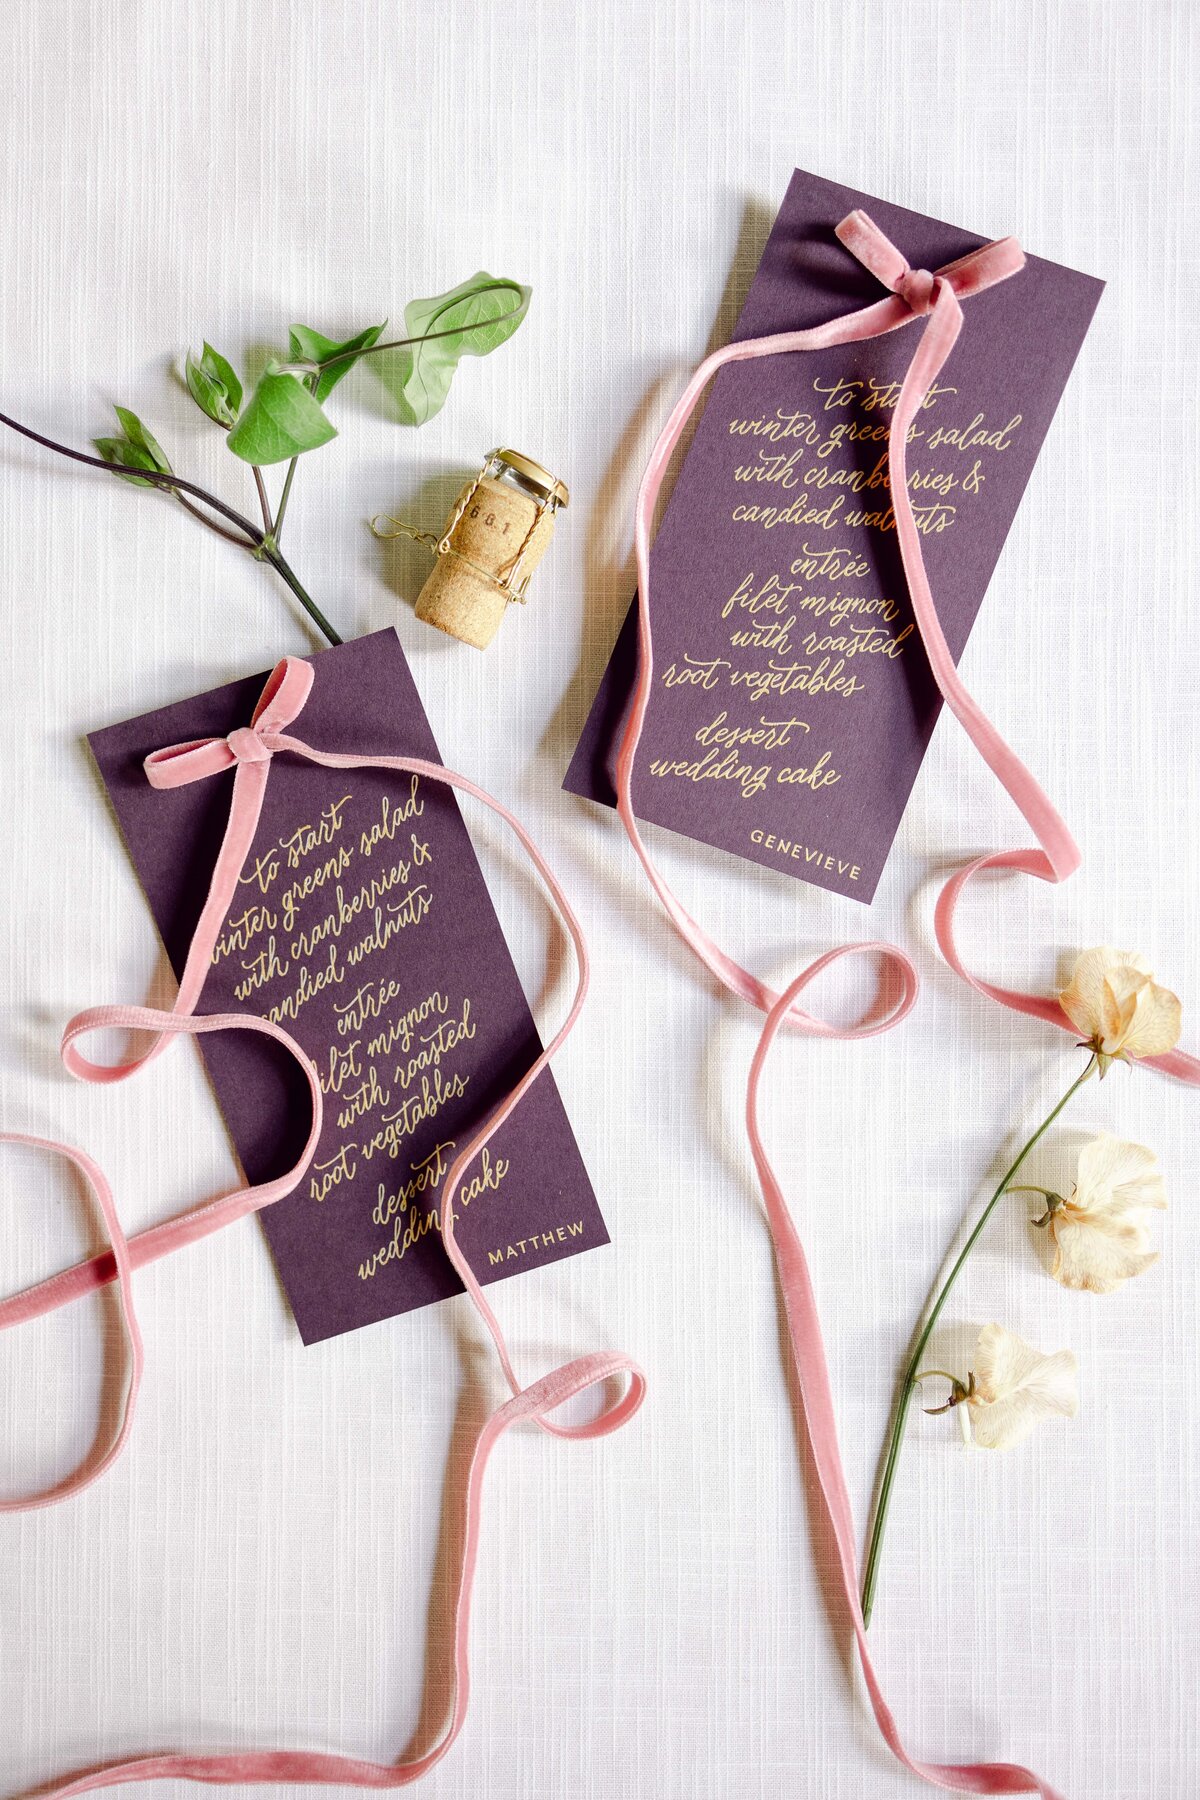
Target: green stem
<point>231,537</point>
<point>286,573</point>
<point>259,543</point>
<point>909,1384</point>
<point>944,1374</point>
<point>310,382</point>
<point>263,503</point>
<point>172,483</point>
<point>284,496</point>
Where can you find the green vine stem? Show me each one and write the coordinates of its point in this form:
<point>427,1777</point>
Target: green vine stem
<point>262,542</point>
<point>263,502</point>
<point>285,496</point>
<point>259,541</point>
<point>912,1374</point>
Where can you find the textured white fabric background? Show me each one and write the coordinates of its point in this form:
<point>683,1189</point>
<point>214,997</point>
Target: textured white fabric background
<point>649,1618</point>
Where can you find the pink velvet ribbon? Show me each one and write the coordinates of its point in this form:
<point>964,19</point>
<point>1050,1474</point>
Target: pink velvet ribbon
<point>935,298</point>
<point>248,752</point>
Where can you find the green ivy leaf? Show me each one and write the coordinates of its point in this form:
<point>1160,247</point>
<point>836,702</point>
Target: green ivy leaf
<point>213,384</point>
<point>136,448</point>
<point>486,310</point>
<point>281,420</point>
<point>311,346</point>
<point>120,450</point>
<point>137,434</point>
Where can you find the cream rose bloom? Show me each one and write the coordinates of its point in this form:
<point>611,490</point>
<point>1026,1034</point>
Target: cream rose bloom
<point>1118,1008</point>
<point>1014,1387</point>
<point>1099,1233</point>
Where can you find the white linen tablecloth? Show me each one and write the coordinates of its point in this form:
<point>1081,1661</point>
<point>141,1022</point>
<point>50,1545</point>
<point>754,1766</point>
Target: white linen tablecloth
<point>650,1622</point>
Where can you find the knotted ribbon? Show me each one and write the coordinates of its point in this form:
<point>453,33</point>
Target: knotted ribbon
<point>934,298</point>
<point>249,751</point>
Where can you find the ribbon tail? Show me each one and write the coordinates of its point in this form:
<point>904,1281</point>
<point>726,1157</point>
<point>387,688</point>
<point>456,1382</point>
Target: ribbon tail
<point>937,341</point>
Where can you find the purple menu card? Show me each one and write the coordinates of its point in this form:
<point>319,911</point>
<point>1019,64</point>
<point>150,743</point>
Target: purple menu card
<point>364,927</point>
<point>793,703</point>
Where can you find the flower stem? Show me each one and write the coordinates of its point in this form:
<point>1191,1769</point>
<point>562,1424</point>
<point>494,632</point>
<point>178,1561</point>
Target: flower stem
<point>910,1382</point>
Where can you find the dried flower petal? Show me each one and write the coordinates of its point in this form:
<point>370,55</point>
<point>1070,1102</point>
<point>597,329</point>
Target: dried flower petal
<point>1114,1172</point>
<point>1118,1008</point>
<point>1099,1233</point>
<point>1016,1387</point>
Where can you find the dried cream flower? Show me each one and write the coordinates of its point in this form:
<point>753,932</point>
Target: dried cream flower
<point>1014,1387</point>
<point>1118,1009</point>
<point>1099,1233</point>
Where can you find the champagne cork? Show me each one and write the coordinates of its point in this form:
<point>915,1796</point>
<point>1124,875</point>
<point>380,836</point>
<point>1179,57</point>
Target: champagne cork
<point>496,535</point>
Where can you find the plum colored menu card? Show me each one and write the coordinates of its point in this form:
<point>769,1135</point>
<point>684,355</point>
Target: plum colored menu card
<point>793,704</point>
<point>364,926</point>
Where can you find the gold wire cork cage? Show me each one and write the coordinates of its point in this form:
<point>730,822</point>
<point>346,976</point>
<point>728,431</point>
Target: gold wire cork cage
<point>496,534</point>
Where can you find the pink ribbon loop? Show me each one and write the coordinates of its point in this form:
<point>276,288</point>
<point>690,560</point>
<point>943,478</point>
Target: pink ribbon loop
<point>91,1468</point>
<point>185,1228</point>
<point>188,762</point>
